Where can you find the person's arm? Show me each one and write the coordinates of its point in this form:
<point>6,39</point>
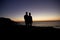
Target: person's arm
<point>32,19</point>
<point>24,16</point>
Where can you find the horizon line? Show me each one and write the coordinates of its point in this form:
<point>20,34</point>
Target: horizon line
<point>43,21</point>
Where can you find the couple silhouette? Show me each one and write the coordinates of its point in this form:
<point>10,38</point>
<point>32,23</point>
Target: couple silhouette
<point>28,19</point>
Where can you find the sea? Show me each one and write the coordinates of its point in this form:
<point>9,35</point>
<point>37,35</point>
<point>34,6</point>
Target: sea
<point>44,24</point>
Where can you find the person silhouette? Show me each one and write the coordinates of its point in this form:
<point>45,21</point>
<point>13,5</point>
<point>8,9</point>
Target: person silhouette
<point>30,19</point>
<point>26,18</point>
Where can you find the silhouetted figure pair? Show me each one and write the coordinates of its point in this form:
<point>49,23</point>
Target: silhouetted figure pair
<point>28,19</point>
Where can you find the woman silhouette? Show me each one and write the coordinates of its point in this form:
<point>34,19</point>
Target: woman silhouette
<point>30,19</point>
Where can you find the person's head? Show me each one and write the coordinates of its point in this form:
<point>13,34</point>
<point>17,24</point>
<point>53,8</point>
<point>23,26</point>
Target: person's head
<point>29,14</point>
<point>26,13</point>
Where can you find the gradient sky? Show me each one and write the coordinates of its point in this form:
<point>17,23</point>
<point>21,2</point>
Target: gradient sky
<point>41,10</point>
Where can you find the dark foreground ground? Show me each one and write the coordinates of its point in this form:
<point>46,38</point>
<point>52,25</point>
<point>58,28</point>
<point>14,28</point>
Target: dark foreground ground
<point>22,28</point>
<point>7,25</point>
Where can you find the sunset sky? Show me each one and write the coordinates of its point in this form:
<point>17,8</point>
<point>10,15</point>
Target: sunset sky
<point>41,10</point>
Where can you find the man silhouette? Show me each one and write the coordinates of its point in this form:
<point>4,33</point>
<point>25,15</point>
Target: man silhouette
<point>30,19</point>
<point>26,18</point>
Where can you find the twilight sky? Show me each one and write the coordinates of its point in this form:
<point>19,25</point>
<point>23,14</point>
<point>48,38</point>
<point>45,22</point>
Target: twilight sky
<point>41,10</point>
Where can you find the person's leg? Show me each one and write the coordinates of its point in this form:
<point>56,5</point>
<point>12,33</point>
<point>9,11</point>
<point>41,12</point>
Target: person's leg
<point>30,24</point>
<point>27,25</point>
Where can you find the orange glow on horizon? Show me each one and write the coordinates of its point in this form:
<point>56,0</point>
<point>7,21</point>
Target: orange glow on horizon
<point>37,19</point>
